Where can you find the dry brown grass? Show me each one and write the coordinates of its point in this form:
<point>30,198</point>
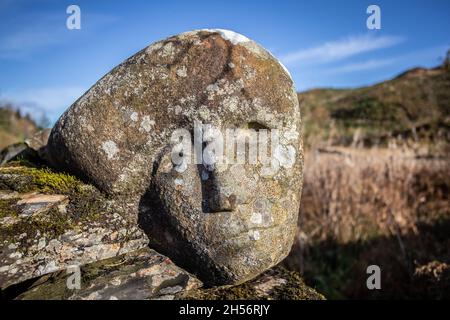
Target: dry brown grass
<point>354,194</point>
<point>360,195</point>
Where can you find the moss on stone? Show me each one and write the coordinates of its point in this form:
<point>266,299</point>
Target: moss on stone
<point>240,292</point>
<point>7,207</point>
<point>83,197</point>
<point>47,287</point>
<point>22,162</point>
<point>292,288</point>
<point>52,224</point>
<point>86,203</point>
<point>48,181</point>
<point>38,179</point>
<point>84,200</point>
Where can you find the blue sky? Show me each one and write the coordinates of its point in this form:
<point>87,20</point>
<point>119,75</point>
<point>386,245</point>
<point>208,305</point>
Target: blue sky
<point>45,67</point>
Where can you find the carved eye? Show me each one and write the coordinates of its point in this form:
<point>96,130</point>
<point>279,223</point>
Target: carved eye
<point>256,126</point>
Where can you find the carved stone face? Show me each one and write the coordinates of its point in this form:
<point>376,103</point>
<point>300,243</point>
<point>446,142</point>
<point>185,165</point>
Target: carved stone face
<point>225,222</point>
<point>238,218</point>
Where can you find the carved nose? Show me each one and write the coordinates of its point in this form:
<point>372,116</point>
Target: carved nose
<point>218,190</point>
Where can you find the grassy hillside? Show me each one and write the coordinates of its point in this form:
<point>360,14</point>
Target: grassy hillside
<point>14,127</point>
<point>413,107</point>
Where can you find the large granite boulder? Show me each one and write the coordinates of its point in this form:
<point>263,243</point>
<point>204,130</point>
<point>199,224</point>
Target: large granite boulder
<point>147,133</point>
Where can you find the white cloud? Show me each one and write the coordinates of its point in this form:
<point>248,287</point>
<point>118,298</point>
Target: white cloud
<point>340,49</point>
<point>406,60</point>
<point>361,66</point>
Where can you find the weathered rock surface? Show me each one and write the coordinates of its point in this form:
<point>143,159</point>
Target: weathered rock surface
<point>226,223</point>
<point>15,151</point>
<point>39,140</point>
<point>31,149</point>
<point>42,230</point>
<point>38,143</point>
<point>140,275</point>
<point>146,275</point>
